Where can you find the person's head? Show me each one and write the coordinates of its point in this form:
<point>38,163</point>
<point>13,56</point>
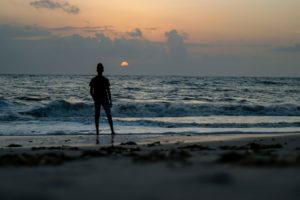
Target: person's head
<point>100,68</point>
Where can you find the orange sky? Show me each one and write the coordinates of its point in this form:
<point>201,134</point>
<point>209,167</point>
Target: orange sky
<point>203,20</point>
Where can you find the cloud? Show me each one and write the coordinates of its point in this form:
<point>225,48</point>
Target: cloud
<point>84,28</point>
<point>78,54</point>
<point>15,32</point>
<point>52,5</point>
<point>175,44</point>
<point>50,53</point>
<point>293,48</point>
<point>135,33</point>
<point>81,30</point>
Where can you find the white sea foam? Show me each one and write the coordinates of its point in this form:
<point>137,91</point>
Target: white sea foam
<point>63,108</point>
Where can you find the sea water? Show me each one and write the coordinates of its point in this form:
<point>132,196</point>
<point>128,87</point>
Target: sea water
<point>61,104</point>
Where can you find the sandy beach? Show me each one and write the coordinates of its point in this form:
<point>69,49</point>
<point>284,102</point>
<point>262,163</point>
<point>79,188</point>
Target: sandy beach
<point>186,167</point>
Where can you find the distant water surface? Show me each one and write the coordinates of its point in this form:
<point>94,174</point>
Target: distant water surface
<point>60,104</point>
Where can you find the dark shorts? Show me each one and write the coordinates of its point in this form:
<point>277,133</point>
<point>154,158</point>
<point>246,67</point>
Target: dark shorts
<point>104,103</point>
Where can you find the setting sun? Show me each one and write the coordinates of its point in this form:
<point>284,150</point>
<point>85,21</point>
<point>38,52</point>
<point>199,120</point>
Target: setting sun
<point>124,63</point>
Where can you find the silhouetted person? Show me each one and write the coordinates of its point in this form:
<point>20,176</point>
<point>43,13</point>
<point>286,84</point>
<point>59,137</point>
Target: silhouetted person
<point>99,90</point>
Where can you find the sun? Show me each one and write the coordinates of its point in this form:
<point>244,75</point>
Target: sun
<point>124,63</point>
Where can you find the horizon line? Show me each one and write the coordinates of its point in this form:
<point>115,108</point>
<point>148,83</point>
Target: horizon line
<point>65,74</point>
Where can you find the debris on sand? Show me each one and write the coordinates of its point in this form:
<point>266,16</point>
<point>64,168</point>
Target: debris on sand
<point>196,147</point>
<point>14,145</point>
<point>128,143</point>
<point>55,148</point>
<point>154,144</point>
<point>251,146</point>
<point>106,151</point>
<point>156,155</point>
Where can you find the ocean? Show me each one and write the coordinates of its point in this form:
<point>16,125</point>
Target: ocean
<point>145,105</point>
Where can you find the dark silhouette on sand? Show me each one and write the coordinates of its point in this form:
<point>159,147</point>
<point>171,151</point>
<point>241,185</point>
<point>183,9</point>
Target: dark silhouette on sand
<point>100,91</point>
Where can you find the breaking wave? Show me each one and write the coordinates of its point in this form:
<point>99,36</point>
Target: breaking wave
<point>61,108</point>
<point>64,108</point>
<point>32,98</point>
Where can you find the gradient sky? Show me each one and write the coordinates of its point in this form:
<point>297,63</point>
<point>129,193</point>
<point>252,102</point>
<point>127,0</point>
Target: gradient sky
<point>191,37</point>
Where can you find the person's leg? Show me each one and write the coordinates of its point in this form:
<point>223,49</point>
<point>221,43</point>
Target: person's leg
<point>109,117</point>
<point>112,139</point>
<point>97,117</point>
<point>97,139</point>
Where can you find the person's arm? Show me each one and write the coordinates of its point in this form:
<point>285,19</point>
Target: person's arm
<point>92,91</point>
<point>109,96</point>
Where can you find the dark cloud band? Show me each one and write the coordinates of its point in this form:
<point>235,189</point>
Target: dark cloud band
<point>32,49</point>
<point>293,48</point>
<point>52,5</point>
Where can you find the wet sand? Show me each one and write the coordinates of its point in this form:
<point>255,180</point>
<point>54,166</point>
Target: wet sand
<point>165,167</point>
